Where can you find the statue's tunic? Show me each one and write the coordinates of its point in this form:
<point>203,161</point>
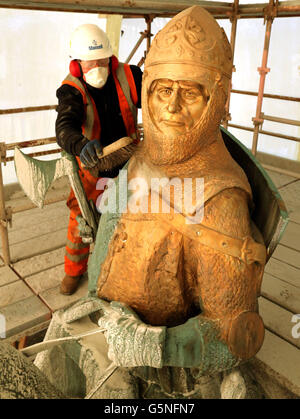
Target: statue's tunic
<point>167,277</point>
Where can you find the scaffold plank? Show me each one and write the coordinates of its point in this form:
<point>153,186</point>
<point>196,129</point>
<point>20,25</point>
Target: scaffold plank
<point>14,292</point>
<point>280,292</point>
<point>37,216</point>
<point>25,314</point>
<point>280,179</point>
<point>32,232</point>
<point>283,359</point>
<point>291,237</point>
<point>56,301</point>
<point>47,279</point>
<point>291,196</point>
<point>287,255</point>
<point>278,320</point>
<point>283,271</point>
<point>38,245</point>
<point>7,275</point>
<point>39,263</point>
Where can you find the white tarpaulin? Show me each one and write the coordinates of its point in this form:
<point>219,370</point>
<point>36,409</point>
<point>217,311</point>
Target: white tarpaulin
<point>34,60</point>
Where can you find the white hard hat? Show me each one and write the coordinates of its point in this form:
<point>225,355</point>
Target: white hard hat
<point>89,42</point>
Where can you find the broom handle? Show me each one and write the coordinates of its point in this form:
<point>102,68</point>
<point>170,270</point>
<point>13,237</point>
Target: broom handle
<point>122,142</point>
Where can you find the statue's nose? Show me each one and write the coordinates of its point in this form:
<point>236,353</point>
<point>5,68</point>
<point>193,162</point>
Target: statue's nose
<point>174,103</point>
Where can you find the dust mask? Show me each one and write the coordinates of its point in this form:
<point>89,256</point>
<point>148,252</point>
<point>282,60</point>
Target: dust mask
<point>97,77</point>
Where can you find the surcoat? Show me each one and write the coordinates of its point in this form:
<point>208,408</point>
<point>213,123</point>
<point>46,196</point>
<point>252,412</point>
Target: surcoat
<point>160,271</point>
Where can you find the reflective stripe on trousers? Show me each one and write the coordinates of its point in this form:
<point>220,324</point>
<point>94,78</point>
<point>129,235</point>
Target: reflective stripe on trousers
<point>77,252</point>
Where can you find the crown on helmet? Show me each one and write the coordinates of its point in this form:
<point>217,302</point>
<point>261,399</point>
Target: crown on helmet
<point>192,46</point>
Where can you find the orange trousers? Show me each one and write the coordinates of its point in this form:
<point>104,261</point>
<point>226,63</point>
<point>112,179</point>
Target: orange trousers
<point>77,252</point>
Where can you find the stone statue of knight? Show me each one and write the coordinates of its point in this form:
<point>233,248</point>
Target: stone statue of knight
<point>176,295</point>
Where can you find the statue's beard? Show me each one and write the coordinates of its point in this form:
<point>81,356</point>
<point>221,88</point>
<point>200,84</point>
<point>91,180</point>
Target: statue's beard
<point>161,149</point>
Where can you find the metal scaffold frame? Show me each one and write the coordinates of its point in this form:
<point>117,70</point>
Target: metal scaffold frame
<point>150,10</point>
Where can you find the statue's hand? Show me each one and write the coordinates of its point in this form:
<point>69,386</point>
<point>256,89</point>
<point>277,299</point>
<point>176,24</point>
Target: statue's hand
<point>197,343</point>
<point>131,342</point>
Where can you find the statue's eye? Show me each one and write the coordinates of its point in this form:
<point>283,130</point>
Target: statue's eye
<point>165,92</point>
<point>190,94</point>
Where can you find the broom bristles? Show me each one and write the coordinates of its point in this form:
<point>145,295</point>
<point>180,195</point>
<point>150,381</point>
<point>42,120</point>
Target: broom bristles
<point>115,159</point>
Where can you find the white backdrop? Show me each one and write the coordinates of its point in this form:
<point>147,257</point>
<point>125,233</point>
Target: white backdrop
<point>34,61</point>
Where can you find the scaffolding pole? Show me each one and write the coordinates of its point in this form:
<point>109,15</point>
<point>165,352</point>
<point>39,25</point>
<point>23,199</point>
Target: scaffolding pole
<point>149,19</point>
<point>134,49</point>
<point>4,214</point>
<point>138,8</point>
<point>270,13</point>
<point>233,18</point>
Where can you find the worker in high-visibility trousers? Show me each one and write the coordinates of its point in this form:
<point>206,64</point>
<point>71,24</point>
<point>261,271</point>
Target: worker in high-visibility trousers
<point>97,105</point>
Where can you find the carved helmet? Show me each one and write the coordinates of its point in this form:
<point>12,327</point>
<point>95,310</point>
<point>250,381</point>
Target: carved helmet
<point>193,47</point>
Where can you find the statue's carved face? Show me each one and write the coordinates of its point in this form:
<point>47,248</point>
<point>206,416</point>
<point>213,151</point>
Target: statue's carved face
<point>176,106</point>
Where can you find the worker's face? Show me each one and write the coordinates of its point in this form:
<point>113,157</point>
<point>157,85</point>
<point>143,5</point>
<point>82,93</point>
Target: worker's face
<point>176,106</point>
<point>90,64</point>
<point>95,72</point>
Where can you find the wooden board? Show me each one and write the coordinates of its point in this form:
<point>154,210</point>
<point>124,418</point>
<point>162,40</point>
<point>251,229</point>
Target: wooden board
<point>56,301</point>
<point>14,292</point>
<point>287,255</point>
<point>291,196</point>
<point>47,279</point>
<point>39,245</point>
<point>28,231</point>
<point>37,216</point>
<point>25,314</point>
<point>291,236</point>
<point>40,263</point>
<point>283,358</point>
<point>7,275</point>
<point>20,202</point>
<point>283,271</point>
<point>282,293</point>
<point>280,179</point>
<point>38,231</point>
<point>278,320</point>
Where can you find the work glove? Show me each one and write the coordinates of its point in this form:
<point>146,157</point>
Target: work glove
<point>131,342</point>
<point>90,153</point>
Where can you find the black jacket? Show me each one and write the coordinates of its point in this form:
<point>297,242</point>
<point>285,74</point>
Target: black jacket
<point>71,113</point>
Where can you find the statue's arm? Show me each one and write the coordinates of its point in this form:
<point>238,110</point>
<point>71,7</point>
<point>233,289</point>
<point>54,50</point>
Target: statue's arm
<point>227,285</point>
<point>228,328</point>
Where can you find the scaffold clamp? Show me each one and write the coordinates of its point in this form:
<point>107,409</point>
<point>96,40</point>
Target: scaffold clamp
<point>3,153</point>
<point>7,218</point>
<point>263,70</point>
